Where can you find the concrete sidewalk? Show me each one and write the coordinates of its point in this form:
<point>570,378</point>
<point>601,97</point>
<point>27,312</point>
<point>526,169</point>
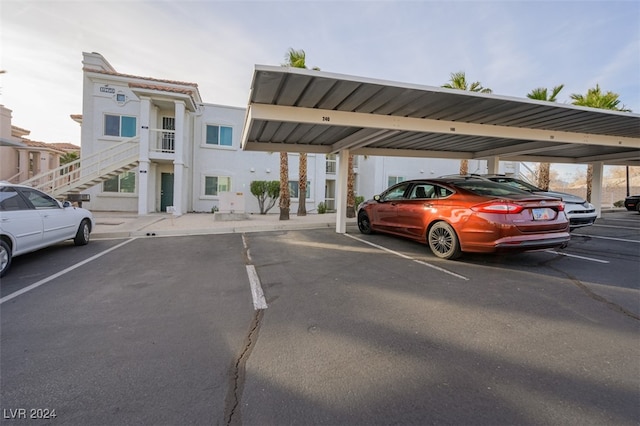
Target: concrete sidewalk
<point>126,224</point>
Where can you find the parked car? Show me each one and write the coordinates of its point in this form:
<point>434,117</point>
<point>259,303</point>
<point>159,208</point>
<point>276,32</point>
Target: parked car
<point>579,211</point>
<point>459,215</point>
<point>632,203</point>
<point>31,220</point>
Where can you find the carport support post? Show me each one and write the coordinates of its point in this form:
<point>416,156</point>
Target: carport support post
<point>341,191</point>
<point>596,186</point>
<point>493,165</point>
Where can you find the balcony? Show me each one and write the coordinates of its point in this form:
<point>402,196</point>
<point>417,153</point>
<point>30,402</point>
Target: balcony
<point>162,144</point>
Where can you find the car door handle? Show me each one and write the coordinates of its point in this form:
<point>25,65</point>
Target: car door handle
<point>428,205</point>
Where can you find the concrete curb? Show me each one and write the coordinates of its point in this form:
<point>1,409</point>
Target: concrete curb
<point>114,225</point>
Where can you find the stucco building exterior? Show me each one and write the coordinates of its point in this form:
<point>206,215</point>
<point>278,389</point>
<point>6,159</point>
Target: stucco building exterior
<point>188,156</point>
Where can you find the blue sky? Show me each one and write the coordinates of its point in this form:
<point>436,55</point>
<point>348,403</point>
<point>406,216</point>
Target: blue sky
<point>509,46</point>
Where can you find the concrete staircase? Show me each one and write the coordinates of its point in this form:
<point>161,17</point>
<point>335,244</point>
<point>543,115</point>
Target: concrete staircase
<point>78,175</point>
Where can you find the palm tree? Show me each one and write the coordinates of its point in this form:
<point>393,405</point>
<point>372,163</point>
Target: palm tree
<point>596,99</point>
<point>351,195</point>
<point>296,59</point>
<point>458,80</point>
<point>542,94</point>
<point>68,157</point>
<point>285,200</point>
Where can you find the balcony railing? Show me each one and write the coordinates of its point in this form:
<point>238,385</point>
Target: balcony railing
<point>161,140</point>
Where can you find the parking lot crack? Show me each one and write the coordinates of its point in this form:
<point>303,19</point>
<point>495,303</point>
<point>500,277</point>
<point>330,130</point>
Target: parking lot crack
<point>591,294</point>
<point>232,410</point>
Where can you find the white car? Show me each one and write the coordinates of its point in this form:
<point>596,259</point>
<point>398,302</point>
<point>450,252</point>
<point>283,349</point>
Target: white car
<point>31,220</point>
<point>579,211</point>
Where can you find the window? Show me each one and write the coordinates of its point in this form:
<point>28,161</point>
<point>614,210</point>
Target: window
<point>119,125</point>
<point>331,164</point>
<point>125,183</point>
<point>10,200</point>
<point>219,135</point>
<point>395,193</point>
<point>213,185</point>
<point>394,179</point>
<point>294,187</point>
<point>38,199</point>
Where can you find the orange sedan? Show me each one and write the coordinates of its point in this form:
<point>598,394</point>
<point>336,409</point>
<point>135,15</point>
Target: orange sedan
<point>466,215</point>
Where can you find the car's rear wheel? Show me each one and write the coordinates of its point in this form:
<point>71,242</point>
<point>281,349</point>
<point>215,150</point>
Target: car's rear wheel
<point>5,257</point>
<point>82,236</point>
<point>443,241</point>
<point>364,224</point>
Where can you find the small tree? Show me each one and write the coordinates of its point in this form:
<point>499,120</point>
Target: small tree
<point>267,193</point>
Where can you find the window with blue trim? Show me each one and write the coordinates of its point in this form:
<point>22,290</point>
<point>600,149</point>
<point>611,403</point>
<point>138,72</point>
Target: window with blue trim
<point>119,125</point>
<point>219,135</point>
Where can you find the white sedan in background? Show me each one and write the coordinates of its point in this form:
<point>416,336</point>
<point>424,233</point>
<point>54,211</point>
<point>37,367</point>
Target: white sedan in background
<point>31,220</point>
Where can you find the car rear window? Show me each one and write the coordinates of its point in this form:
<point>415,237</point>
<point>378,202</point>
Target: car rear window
<point>489,188</point>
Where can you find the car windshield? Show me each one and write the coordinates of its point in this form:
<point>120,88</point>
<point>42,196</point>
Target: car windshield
<point>489,188</point>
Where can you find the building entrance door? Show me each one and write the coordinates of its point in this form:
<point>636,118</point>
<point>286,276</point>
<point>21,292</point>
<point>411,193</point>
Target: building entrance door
<point>166,191</point>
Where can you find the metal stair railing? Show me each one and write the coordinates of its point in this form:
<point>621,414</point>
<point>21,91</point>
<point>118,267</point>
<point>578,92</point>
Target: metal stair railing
<point>88,170</point>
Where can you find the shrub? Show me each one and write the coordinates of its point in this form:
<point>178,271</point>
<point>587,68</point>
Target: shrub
<point>322,208</point>
<point>619,203</point>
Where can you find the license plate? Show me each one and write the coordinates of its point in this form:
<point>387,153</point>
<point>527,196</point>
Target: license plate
<point>543,214</point>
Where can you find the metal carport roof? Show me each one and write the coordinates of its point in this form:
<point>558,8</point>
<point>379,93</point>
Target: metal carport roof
<point>300,110</point>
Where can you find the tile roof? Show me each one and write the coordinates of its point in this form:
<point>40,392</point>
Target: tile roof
<point>61,147</point>
<point>19,131</point>
<point>182,83</point>
<point>66,146</point>
<point>193,91</point>
<point>162,88</point>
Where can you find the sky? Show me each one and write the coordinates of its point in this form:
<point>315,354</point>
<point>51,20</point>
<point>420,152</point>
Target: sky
<point>511,47</point>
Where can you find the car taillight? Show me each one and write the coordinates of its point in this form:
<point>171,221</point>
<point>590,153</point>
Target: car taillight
<point>505,207</point>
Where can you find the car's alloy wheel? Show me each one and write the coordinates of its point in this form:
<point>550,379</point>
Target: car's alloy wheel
<point>443,241</point>
<point>364,224</point>
<point>82,236</point>
<point>5,258</point>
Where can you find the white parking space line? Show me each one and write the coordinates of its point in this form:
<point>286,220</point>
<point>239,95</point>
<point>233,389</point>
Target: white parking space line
<point>609,238</point>
<point>404,256</point>
<point>632,220</point>
<point>616,227</point>
<point>577,257</point>
<point>259,302</point>
<point>64,271</point>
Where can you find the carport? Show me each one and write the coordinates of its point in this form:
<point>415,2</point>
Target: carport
<point>300,110</point>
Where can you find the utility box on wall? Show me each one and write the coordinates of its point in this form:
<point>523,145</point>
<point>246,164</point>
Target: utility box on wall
<point>231,202</point>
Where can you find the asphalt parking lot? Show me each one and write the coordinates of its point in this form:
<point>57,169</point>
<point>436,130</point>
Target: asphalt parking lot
<point>349,329</point>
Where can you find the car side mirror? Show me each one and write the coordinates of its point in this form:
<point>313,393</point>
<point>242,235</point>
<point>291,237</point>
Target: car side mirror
<point>66,204</point>
<point>377,198</point>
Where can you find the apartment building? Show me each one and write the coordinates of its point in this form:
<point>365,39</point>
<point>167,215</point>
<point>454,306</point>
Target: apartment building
<point>178,153</point>
<point>22,158</point>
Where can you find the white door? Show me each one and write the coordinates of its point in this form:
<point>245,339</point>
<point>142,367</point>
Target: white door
<point>19,220</point>
<point>56,224</point>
